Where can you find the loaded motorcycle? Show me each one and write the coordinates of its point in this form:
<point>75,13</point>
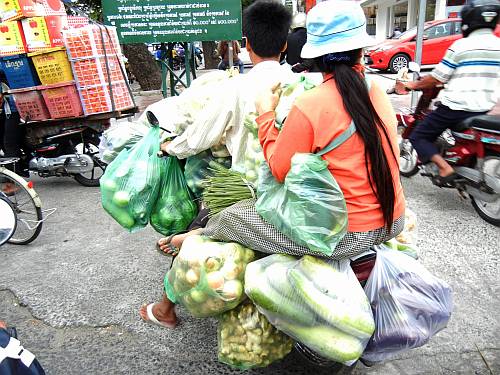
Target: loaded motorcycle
<point>473,149</point>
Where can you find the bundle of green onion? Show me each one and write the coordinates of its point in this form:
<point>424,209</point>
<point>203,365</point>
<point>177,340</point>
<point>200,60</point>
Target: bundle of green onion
<point>224,188</point>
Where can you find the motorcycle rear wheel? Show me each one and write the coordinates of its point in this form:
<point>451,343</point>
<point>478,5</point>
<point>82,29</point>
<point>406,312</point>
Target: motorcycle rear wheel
<point>90,147</point>
<point>408,159</point>
<point>489,212</point>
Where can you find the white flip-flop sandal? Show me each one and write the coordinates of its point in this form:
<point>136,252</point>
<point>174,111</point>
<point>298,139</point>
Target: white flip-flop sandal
<point>152,319</point>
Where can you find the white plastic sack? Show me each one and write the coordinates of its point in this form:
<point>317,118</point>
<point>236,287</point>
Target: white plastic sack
<point>409,304</point>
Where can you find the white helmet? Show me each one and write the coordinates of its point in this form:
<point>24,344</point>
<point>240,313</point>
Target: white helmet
<point>299,20</point>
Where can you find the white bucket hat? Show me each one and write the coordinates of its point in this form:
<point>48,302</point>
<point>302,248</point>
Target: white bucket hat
<point>335,26</point>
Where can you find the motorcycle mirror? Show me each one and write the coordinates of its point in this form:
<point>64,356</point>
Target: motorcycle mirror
<point>414,67</point>
<point>8,220</point>
<point>152,119</point>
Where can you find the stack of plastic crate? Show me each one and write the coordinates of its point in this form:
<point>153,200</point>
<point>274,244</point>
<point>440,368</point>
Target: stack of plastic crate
<point>97,64</point>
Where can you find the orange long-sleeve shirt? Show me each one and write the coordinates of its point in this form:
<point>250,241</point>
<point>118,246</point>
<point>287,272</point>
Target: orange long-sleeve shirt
<point>318,117</point>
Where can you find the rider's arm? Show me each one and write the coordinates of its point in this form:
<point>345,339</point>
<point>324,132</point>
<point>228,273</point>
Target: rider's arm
<point>442,73</point>
<point>425,83</point>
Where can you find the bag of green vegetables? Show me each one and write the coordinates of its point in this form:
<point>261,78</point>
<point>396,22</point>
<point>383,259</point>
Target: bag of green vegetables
<point>207,276</point>
<point>247,339</point>
<point>320,304</point>
<point>309,207</point>
<point>174,210</point>
<point>197,170</point>
<point>129,187</point>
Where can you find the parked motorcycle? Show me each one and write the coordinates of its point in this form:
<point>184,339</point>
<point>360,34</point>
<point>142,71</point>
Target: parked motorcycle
<point>473,150</point>
<point>65,149</point>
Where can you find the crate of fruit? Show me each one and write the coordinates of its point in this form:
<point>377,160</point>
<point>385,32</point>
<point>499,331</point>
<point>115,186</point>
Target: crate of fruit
<point>17,9</point>
<point>105,98</point>
<point>91,41</point>
<point>62,100</point>
<point>98,70</point>
<point>12,40</point>
<point>53,66</point>
<point>19,71</point>
<point>30,104</point>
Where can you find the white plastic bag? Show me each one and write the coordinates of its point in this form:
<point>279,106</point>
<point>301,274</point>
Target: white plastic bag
<point>120,136</point>
<point>409,304</point>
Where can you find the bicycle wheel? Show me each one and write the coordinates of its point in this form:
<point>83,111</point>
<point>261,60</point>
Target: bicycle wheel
<point>28,211</point>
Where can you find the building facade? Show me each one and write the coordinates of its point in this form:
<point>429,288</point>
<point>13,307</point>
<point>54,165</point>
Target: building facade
<point>383,16</point>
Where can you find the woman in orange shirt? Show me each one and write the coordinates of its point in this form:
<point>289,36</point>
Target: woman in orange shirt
<point>365,165</point>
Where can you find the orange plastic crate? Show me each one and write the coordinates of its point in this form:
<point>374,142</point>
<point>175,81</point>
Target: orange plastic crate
<point>30,104</point>
<point>97,98</point>
<point>85,42</point>
<point>62,100</point>
<point>94,71</point>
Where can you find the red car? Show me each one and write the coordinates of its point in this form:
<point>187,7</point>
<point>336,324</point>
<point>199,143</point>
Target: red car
<point>394,54</point>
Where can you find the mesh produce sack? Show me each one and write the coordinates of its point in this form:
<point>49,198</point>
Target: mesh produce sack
<point>309,207</point>
<point>207,276</point>
<point>118,137</point>
<point>319,304</point>
<point>409,304</point>
<point>129,187</point>
<point>247,339</point>
<point>197,170</point>
<point>174,210</point>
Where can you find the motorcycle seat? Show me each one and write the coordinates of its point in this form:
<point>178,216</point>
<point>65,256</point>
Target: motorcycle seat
<point>487,122</point>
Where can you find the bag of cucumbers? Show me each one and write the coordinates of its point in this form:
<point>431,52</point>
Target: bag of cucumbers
<point>129,187</point>
<point>207,276</point>
<point>319,304</point>
<point>247,339</point>
<point>174,210</point>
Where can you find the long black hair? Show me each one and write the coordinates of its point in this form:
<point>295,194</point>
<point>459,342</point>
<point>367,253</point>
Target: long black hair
<point>356,97</point>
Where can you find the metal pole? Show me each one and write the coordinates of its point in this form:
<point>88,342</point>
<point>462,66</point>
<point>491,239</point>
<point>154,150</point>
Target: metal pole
<point>418,47</point>
<point>230,51</point>
<point>187,63</point>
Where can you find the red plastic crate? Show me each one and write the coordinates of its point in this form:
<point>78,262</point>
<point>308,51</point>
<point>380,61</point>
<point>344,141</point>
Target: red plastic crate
<point>62,100</point>
<point>94,71</point>
<point>85,42</point>
<point>97,98</point>
<point>30,104</point>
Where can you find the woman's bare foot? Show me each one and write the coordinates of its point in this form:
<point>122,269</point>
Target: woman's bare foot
<point>163,311</point>
<point>174,245</point>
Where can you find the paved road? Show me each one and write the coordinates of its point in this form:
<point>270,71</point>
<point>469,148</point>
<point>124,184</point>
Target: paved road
<point>74,293</point>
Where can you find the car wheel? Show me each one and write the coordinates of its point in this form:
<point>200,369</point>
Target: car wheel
<point>399,62</point>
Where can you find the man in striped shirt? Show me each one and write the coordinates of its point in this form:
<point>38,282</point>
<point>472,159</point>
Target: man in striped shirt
<point>471,71</point>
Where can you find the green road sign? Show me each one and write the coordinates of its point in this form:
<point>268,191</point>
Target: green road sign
<point>150,21</point>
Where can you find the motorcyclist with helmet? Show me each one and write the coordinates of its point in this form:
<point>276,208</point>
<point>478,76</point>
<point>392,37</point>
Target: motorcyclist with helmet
<point>471,71</point>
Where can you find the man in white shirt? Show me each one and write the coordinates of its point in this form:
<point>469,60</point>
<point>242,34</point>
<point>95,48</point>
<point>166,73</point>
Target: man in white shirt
<point>265,25</point>
<point>471,71</point>
<point>222,118</point>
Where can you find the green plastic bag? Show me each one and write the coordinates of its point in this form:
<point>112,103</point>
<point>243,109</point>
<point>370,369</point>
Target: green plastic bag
<point>207,276</point>
<point>247,340</point>
<point>197,170</point>
<point>309,207</point>
<point>174,210</point>
<point>129,187</point>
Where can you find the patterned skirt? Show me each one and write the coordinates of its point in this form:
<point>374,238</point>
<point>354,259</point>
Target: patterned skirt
<point>241,223</point>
